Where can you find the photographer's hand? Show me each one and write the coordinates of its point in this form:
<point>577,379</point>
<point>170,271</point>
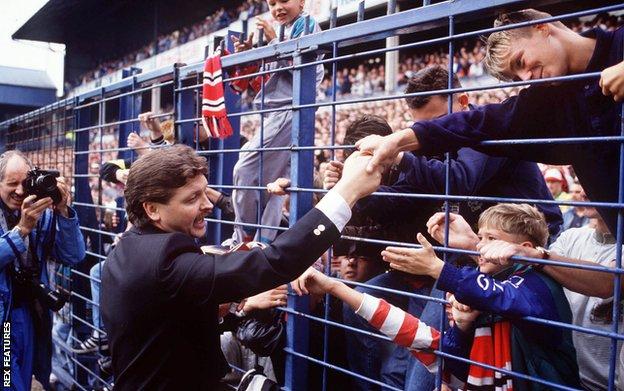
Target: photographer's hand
<point>31,212</point>
<point>62,206</point>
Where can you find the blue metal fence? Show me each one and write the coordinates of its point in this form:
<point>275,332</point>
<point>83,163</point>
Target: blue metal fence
<point>75,128</point>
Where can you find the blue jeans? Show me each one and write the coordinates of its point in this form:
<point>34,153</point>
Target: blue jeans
<point>96,273</point>
<point>373,357</point>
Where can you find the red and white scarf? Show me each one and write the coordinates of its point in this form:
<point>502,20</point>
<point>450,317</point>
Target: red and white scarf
<point>492,346</point>
<point>214,114</point>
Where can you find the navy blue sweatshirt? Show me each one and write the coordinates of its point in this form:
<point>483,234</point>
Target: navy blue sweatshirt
<point>472,173</point>
<point>571,109</point>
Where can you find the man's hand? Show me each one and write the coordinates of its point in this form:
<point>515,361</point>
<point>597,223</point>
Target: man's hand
<point>272,298</point>
<point>269,31</point>
<point>421,261</point>
<point>333,172</point>
<point>384,150</point>
<point>152,124</point>
<point>460,234</point>
<point>316,282</point>
<point>62,206</point>
<point>240,46</point>
<point>612,81</point>
<point>499,252</point>
<point>122,175</point>
<point>135,142</point>
<point>278,187</point>
<point>356,181</point>
<point>31,212</point>
<point>462,315</point>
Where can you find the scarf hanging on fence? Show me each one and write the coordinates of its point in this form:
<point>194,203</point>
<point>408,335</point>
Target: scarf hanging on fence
<point>214,114</point>
<point>491,346</point>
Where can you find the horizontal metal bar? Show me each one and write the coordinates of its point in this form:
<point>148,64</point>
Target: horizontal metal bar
<point>597,267</point>
<point>117,96</point>
<point>91,253</point>
<point>88,324</point>
<point>85,275</point>
<point>115,123</point>
<point>463,198</point>
<point>84,298</point>
<point>99,231</point>
<point>99,207</point>
<point>121,149</point>
<point>97,377</point>
<point>246,224</point>
<point>339,369</point>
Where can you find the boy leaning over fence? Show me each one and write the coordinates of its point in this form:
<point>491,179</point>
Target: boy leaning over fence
<point>278,92</point>
<point>585,107</point>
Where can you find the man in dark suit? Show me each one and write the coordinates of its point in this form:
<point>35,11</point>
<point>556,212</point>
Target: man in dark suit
<point>160,293</point>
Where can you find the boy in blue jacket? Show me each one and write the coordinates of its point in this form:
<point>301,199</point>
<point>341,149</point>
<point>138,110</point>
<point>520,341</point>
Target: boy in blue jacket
<point>489,304</point>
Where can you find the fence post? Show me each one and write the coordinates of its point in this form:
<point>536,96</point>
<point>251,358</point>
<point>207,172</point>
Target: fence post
<point>302,174</point>
<point>129,108</point>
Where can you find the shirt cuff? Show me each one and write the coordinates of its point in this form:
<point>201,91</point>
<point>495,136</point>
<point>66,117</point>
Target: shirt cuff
<point>449,278</point>
<point>336,209</point>
<point>368,306</point>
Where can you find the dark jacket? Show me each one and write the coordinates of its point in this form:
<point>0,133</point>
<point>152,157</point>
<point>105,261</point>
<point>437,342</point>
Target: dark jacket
<point>160,297</point>
<point>569,109</point>
<point>472,173</point>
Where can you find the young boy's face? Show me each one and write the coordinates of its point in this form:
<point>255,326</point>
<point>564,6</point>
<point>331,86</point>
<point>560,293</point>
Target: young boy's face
<point>537,55</point>
<point>488,234</point>
<point>285,11</point>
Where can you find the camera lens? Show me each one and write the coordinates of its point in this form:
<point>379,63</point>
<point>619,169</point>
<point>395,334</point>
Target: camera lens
<point>47,182</point>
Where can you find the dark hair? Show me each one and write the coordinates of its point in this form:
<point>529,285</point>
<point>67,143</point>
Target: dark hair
<point>156,176</point>
<point>365,126</point>
<point>428,79</point>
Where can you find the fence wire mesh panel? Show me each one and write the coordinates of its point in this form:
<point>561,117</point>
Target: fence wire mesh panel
<point>488,258</point>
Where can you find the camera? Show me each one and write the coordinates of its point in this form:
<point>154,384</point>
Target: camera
<point>42,183</point>
<point>35,289</point>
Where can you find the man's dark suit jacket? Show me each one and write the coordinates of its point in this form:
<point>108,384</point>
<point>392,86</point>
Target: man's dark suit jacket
<point>160,297</point>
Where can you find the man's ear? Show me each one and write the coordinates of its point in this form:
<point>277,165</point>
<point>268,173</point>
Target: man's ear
<point>463,100</point>
<point>152,211</point>
<point>527,244</point>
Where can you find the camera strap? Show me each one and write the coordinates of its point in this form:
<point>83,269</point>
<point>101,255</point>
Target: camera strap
<point>5,228</point>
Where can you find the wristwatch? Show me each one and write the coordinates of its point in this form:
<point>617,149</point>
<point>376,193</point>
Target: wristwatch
<point>544,254</point>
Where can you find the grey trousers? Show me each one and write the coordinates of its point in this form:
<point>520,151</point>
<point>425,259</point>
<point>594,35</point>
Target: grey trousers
<point>256,206</point>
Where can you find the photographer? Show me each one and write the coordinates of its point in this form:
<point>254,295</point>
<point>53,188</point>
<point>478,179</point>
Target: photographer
<point>33,229</point>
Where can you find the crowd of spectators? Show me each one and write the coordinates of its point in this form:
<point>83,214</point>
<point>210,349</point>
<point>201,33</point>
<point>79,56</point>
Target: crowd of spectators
<point>214,22</point>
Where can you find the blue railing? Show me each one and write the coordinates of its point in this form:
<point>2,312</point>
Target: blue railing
<point>78,125</point>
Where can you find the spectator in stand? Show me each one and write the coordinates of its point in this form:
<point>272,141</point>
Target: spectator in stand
<point>557,185</point>
<point>575,216</point>
<point>490,300</point>
<point>248,204</point>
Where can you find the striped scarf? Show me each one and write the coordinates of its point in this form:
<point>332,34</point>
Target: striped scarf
<point>492,346</point>
<point>214,115</point>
